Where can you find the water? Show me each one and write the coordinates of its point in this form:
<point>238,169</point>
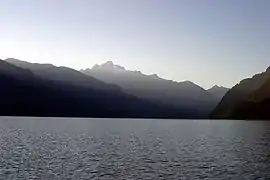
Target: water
<point>62,148</point>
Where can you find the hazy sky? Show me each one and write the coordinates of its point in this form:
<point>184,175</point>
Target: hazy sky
<point>206,41</point>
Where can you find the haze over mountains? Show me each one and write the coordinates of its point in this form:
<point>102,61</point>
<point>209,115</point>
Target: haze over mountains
<point>32,89</point>
<point>109,90</point>
<point>151,87</point>
<point>45,90</point>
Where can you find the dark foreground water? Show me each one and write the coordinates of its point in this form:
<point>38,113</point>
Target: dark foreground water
<point>55,148</point>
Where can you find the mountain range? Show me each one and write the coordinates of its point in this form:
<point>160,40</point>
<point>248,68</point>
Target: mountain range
<point>108,90</point>
<point>151,87</point>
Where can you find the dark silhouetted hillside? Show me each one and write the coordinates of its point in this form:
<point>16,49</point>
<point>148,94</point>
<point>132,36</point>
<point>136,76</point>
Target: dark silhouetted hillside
<point>247,100</point>
<point>151,87</point>
<point>70,94</point>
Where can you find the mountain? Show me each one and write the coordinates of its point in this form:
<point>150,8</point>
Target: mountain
<point>218,91</point>
<point>151,87</point>
<point>7,69</point>
<point>247,100</point>
<point>62,74</point>
<point>42,90</point>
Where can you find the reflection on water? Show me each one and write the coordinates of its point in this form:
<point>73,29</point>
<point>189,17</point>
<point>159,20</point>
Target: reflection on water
<point>59,148</point>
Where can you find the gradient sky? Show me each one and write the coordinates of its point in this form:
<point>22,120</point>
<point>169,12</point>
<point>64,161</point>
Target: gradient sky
<point>205,41</point>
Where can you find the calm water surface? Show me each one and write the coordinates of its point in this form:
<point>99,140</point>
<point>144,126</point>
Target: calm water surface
<point>63,148</point>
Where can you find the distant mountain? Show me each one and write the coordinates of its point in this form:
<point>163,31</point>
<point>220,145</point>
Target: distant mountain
<point>6,69</point>
<point>62,74</point>
<point>46,90</point>
<point>218,91</point>
<point>151,87</point>
<point>250,99</point>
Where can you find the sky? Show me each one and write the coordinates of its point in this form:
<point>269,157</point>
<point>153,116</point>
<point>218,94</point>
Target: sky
<point>208,42</point>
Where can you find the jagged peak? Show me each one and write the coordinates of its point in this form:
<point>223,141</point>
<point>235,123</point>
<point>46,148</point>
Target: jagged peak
<point>109,65</point>
<point>85,70</point>
<point>217,87</point>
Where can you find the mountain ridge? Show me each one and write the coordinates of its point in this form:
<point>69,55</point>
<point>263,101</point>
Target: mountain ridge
<point>155,88</point>
<point>61,96</point>
<point>61,73</point>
